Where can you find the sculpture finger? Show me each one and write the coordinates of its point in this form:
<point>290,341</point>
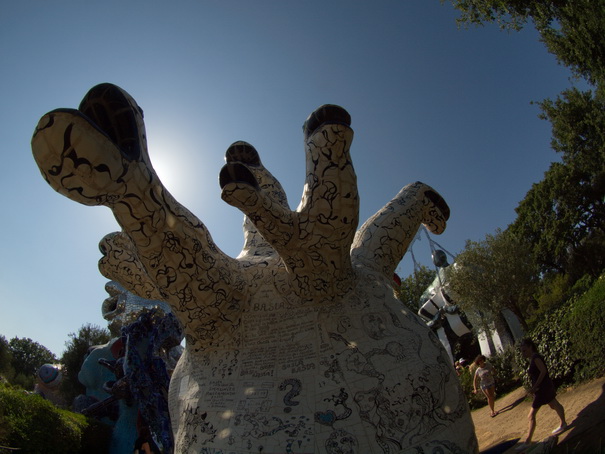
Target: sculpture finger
<point>255,245</point>
<point>77,159</point>
<point>97,155</point>
<point>245,153</point>
<point>247,185</point>
<point>89,153</point>
<point>120,263</point>
<point>329,208</point>
<point>172,249</point>
<point>382,241</point>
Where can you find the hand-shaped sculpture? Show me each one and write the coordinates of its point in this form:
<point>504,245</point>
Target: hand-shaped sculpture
<point>297,345</point>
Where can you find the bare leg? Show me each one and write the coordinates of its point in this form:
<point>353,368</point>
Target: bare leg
<point>531,424</point>
<point>556,406</point>
<point>490,393</point>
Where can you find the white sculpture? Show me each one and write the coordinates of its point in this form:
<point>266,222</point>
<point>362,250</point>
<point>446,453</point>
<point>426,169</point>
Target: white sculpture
<point>297,345</point>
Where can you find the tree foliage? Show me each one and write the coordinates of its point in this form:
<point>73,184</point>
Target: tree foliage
<point>563,215</point>
<point>75,352</point>
<point>575,34</point>
<point>28,356</point>
<point>573,31</point>
<point>6,368</point>
<point>494,274</point>
<point>508,14</point>
<point>412,287</point>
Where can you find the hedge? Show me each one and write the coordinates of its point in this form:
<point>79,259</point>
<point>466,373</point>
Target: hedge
<point>572,337</point>
<point>34,425</point>
<point>585,322</point>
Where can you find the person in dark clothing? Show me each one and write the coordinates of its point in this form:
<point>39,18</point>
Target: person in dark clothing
<point>543,390</point>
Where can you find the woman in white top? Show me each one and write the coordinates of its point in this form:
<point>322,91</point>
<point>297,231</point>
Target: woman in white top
<point>486,376</point>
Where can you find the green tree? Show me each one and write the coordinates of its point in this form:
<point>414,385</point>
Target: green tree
<point>494,274</point>
<point>578,127</point>
<point>6,368</point>
<point>412,287</point>
<point>508,14</point>
<point>563,216</point>
<point>576,36</point>
<point>76,349</point>
<point>573,31</point>
<point>27,357</point>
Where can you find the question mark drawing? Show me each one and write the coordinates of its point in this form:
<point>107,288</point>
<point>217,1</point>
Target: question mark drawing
<point>295,385</point>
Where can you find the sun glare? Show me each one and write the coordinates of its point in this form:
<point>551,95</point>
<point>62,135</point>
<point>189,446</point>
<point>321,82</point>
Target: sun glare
<point>169,170</point>
<point>179,163</point>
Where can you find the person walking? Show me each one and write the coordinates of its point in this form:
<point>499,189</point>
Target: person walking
<point>485,375</point>
<point>543,389</point>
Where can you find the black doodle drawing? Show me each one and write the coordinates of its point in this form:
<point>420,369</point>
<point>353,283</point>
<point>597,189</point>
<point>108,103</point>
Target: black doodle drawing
<point>201,430</point>
<point>330,417</point>
<point>313,260</point>
<point>341,442</point>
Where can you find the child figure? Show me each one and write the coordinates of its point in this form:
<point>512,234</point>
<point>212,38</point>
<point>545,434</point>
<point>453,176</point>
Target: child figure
<point>485,374</point>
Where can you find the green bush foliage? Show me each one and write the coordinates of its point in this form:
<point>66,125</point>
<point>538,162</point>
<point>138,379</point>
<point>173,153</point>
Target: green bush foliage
<point>571,338</point>
<point>553,289</point>
<point>34,425</point>
<point>585,322</point>
<point>552,338</point>
<point>466,381</point>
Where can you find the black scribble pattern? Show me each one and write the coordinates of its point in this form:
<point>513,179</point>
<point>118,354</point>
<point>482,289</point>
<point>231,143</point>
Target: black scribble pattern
<point>309,288</point>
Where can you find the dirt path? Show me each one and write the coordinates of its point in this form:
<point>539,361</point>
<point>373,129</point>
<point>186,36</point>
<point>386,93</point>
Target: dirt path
<point>585,413</point>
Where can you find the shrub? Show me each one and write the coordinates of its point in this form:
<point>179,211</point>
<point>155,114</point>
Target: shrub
<point>466,381</point>
<point>551,336</point>
<point>34,425</point>
<point>553,289</point>
<point>23,381</point>
<point>572,338</point>
<point>585,321</point>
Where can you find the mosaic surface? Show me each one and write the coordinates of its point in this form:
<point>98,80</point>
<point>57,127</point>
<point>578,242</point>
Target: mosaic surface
<point>298,345</point>
<point>127,379</point>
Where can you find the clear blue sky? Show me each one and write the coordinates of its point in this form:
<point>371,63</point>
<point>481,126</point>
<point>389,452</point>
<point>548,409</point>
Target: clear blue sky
<point>430,102</point>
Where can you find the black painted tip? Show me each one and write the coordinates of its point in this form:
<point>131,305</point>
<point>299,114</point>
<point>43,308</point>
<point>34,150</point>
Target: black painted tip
<point>439,203</point>
<point>242,152</point>
<point>108,107</point>
<point>326,114</point>
<point>236,172</point>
